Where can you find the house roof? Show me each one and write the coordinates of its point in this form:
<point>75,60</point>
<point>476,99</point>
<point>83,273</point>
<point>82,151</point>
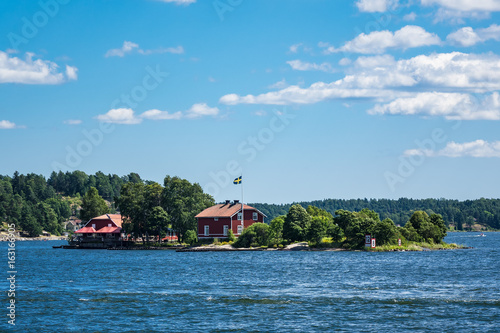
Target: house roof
<point>85,230</point>
<point>225,210</point>
<point>115,218</point>
<point>109,230</point>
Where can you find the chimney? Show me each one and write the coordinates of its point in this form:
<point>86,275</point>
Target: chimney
<point>227,202</point>
<point>236,202</point>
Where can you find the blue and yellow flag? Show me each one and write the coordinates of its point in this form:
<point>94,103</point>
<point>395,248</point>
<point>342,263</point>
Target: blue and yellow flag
<point>237,181</point>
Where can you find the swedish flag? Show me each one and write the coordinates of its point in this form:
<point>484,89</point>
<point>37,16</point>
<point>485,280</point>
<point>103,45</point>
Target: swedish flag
<point>237,181</point>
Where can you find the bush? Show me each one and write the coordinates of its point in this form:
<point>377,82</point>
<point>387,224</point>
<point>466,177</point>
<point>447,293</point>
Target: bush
<point>230,236</point>
<point>190,237</point>
<point>255,235</point>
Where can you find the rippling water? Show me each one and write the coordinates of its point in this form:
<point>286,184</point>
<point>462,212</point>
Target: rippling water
<point>157,291</point>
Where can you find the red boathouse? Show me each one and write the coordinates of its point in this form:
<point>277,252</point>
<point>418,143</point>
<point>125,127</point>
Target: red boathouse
<point>106,228</point>
<point>215,221</point>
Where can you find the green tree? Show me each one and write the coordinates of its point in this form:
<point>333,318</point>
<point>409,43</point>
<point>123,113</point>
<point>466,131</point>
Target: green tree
<point>191,237</point>
<point>158,220</point>
<point>92,205</point>
<point>255,235</point>
<point>29,224</point>
<point>385,232</point>
<point>183,201</point>
<point>297,222</point>
<point>318,229</point>
<point>276,229</point>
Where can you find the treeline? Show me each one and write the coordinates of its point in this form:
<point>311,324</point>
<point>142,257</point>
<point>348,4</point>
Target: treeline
<point>32,204</point>
<point>78,183</point>
<point>346,229</point>
<point>35,203</point>
<point>461,214</point>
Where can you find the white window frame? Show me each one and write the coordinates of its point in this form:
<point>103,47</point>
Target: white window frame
<point>239,217</point>
<point>109,225</point>
<point>93,225</point>
<point>226,228</point>
<point>255,216</point>
<point>207,230</point>
<point>240,229</point>
<point>216,219</point>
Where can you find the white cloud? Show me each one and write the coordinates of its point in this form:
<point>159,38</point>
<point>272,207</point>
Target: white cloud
<point>445,81</point>
<point>180,2</point>
<point>454,11</point>
<point>260,113</point>
<point>372,6</point>
<point>299,65</point>
<point>279,85</point>
<point>201,110</point>
<point>378,42</point>
<point>5,124</point>
<point>129,47</point>
<point>71,72</point>
<point>128,117</point>
<point>173,50</point>
<point>161,115</point>
<point>468,37</point>
<point>453,106</point>
<point>29,71</point>
<point>478,149</point>
<point>410,17</point>
<point>466,5</point>
<point>73,122</point>
<point>295,47</point>
<point>120,116</point>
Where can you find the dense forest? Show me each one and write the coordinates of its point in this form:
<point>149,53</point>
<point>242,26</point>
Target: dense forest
<point>35,203</point>
<point>460,214</point>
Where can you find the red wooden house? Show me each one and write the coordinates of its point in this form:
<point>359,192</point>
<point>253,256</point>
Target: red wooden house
<point>215,221</point>
<point>104,227</point>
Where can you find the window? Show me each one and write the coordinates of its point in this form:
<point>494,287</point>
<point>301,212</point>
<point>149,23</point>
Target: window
<point>207,230</point>
<point>255,216</point>
<point>240,229</point>
<point>216,219</point>
<point>93,226</point>
<point>225,230</point>
<point>239,216</point>
<point>109,225</point>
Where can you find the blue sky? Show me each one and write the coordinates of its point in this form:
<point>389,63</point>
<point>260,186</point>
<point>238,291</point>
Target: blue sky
<point>307,99</point>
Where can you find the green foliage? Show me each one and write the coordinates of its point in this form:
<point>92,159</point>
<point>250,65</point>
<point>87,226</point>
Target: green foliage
<point>422,227</point>
<point>183,201</point>
<point>92,205</point>
<point>318,228</point>
<point>469,212</point>
<point>385,232</point>
<point>255,235</point>
<point>230,235</point>
<point>276,229</point>
<point>191,237</point>
<point>296,223</point>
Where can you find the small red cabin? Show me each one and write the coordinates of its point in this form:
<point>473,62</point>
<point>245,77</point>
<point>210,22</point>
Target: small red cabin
<point>215,221</point>
<point>107,225</point>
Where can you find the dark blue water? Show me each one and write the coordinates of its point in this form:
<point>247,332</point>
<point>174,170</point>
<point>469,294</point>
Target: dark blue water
<point>161,291</point>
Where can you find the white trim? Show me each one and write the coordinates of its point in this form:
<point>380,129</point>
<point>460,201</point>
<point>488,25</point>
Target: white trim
<point>206,230</point>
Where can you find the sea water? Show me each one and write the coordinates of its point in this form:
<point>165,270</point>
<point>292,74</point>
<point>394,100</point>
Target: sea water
<point>61,290</point>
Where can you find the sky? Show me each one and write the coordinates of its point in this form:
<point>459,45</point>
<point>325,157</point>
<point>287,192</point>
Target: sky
<point>306,99</point>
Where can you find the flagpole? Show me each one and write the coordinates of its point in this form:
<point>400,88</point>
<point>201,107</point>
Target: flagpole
<point>242,211</point>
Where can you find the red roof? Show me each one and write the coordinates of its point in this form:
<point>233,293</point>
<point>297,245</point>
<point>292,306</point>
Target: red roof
<point>115,218</point>
<point>225,210</point>
<point>86,230</point>
<point>109,230</point>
